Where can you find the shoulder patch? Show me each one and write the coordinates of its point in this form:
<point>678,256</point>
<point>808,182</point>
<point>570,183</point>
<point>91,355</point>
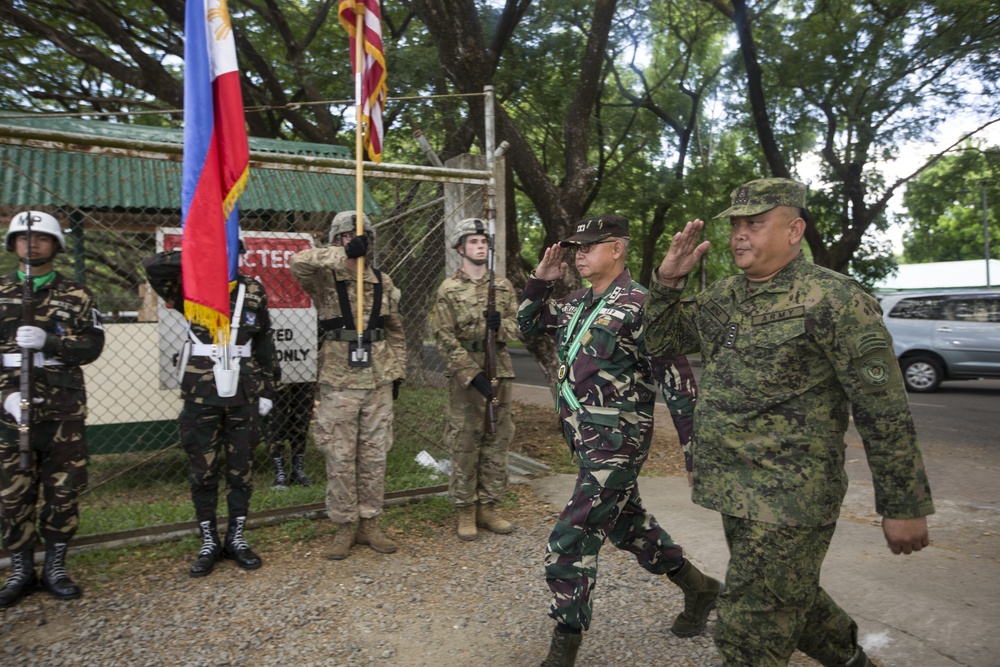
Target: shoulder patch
<point>875,371</point>
<point>868,342</point>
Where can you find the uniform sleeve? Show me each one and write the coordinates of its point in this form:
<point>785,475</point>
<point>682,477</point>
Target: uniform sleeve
<point>86,341</point>
<point>537,314</point>
<point>393,321</point>
<point>313,267</point>
<point>460,362</point>
<point>164,273</point>
<point>670,324</point>
<point>680,392</point>
<point>859,347</point>
<point>507,307</point>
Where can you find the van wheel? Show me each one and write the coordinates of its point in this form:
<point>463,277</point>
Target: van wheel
<point>921,374</point>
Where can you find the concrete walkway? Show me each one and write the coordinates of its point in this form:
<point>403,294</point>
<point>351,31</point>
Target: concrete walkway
<point>937,608</point>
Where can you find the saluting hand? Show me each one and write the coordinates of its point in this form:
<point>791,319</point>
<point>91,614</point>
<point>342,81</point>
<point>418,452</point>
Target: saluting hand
<point>683,256</point>
<point>551,267</point>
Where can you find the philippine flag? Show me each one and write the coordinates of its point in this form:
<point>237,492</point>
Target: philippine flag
<point>216,164</point>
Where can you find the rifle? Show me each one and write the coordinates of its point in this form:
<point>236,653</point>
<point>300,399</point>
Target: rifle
<point>490,344</point>
<point>27,357</point>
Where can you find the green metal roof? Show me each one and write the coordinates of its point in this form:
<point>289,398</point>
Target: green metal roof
<point>31,176</point>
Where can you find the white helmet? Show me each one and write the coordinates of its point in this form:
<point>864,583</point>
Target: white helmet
<point>40,222</point>
<point>345,221</point>
<point>465,228</point>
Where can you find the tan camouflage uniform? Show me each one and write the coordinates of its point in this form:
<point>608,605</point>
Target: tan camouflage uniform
<point>785,362</point>
<point>479,461</point>
<point>353,425</point>
<point>68,312</point>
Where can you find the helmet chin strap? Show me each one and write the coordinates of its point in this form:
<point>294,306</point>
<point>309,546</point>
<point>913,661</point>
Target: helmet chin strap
<point>477,262</point>
<point>38,261</point>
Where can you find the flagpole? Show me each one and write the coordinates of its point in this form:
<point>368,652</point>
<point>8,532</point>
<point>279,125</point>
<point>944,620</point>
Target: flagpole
<point>359,199</point>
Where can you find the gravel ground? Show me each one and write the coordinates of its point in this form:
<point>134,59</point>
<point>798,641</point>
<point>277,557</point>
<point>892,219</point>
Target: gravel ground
<point>437,601</point>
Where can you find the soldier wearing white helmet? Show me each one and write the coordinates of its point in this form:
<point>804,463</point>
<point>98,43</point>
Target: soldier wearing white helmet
<point>353,426</point>
<point>63,334</point>
<point>479,461</point>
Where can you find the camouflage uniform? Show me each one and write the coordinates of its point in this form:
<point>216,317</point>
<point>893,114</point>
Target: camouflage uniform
<point>354,417</point>
<point>784,362</point>
<point>68,313</point>
<point>215,430</point>
<point>680,393</point>
<point>610,435</point>
<point>479,461</point>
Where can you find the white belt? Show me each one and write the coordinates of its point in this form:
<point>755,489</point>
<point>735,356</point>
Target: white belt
<point>206,350</point>
<point>13,360</point>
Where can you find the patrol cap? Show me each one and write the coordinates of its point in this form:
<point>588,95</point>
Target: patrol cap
<point>40,222</point>
<point>762,195</point>
<point>592,230</point>
<point>465,228</point>
<point>345,222</point>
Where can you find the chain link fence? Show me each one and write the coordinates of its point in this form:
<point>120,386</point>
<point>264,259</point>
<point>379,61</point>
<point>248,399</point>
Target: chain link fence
<point>117,192</point>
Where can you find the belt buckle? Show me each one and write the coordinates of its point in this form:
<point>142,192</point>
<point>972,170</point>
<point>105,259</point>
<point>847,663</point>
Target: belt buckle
<point>561,373</point>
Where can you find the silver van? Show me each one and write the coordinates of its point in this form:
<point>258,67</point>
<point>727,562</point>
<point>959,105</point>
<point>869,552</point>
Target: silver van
<point>944,336</point>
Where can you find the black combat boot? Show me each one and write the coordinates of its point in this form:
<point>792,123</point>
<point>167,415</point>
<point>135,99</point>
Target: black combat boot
<point>211,549</point>
<point>22,580</point>
<point>55,579</point>
<point>563,649</point>
<point>280,478</point>
<point>236,546</point>
<point>860,659</point>
<point>298,470</point>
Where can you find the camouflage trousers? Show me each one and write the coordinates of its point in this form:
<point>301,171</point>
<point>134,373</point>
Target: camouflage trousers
<point>354,432</point>
<point>214,436</point>
<point>59,452</point>
<point>290,417</point>
<point>605,505</point>
<point>773,603</point>
<point>479,461</point>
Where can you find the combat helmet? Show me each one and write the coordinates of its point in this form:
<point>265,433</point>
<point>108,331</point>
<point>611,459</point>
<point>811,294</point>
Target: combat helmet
<point>345,222</point>
<point>465,228</point>
<point>40,222</point>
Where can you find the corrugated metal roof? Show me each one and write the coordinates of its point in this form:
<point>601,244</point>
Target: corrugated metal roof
<point>32,176</point>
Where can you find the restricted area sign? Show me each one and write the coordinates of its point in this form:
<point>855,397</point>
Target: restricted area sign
<point>293,316</point>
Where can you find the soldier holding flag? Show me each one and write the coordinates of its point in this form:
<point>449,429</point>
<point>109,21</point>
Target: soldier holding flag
<point>479,460</point>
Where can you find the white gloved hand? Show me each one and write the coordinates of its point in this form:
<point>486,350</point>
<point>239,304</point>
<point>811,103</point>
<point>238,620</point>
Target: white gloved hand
<point>265,406</point>
<point>12,404</point>
<point>30,338</point>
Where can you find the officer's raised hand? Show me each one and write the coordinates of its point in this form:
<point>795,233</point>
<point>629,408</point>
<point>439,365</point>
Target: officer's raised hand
<point>30,338</point>
<point>551,267</point>
<point>357,247</point>
<point>683,256</point>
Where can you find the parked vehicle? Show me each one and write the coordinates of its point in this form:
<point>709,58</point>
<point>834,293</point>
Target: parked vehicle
<point>941,336</point>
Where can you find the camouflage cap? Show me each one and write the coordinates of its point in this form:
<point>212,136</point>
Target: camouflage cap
<point>592,230</point>
<point>764,194</point>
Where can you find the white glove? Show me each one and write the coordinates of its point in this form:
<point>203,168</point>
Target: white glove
<point>12,404</point>
<point>265,406</point>
<point>30,338</point>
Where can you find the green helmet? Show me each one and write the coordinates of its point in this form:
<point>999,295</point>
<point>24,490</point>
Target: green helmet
<point>465,228</point>
<point>345,221</point>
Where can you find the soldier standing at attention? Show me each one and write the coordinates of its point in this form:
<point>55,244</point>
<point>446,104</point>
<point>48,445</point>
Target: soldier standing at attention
<point>219,429</point>
<point>353,425</point>
<point>788,349</point>
<point>606,398</point>
<point>289,420</point>
<point>65,333</point>
<point>479,461</point>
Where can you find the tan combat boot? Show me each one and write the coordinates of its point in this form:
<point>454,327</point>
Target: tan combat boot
<point>488,519</point>
<point>700,593</point>
<point>467,523</point>
<point>369,533</point>
<point>563,649</point>
<point>342,542</point>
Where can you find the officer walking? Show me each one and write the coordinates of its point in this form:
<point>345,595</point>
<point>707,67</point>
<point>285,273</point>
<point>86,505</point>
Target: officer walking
<point>356,386</point>
<point>789,351</point>
<point>64,334</point>
<point>479,461</point>
<point>606,397</point>
<point>219,427</point>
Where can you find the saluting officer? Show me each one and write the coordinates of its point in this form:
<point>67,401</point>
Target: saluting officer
<point>65,333</point>
<point>479,461</point>
<point>354,417</point>
<point>220,426</point>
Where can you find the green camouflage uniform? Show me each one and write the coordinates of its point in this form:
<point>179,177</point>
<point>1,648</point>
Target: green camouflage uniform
<point>68,313</point>
<point>216,430</point>
<point>353,425</point>
<point>784,363</point>
<point>479,461</point>
<point>610,435</point>
<point>680,393</point>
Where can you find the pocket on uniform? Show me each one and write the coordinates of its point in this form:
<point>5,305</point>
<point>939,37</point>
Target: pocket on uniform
<point>599,428</point>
